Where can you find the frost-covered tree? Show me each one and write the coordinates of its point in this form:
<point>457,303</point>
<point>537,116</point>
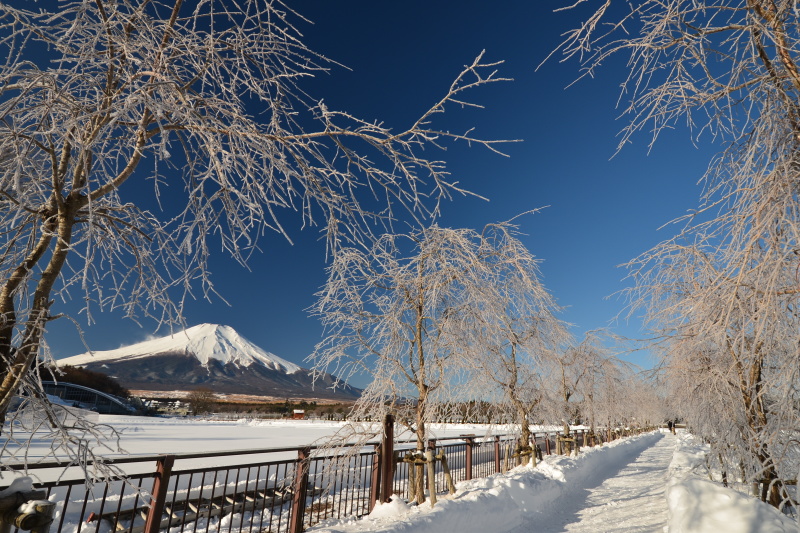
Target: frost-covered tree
<point>723,294</point>
<point>602,376</point>
<point>519,328</point>
<point>135,135</point>
<point>411,314</point>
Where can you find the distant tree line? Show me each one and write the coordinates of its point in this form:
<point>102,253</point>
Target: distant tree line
<point>87,378</point>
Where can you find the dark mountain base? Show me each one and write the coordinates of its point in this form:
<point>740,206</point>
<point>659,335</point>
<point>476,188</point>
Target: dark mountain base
<point>181,371</point>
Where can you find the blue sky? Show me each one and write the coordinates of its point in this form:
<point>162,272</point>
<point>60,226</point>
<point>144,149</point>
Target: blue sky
<point>402,56</point>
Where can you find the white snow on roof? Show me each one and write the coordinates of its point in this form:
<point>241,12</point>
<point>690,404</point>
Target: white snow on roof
<point>205,341</point>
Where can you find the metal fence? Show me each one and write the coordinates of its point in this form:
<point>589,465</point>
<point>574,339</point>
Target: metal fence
<point>276,490</point>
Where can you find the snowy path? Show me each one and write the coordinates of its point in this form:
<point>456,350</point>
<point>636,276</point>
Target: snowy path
<point>619,498</point>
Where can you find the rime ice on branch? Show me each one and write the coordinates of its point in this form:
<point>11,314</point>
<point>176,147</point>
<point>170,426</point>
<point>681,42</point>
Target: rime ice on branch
<point>202,107</point>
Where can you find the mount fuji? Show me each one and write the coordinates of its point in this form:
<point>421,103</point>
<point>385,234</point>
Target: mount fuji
<point>212,356</point>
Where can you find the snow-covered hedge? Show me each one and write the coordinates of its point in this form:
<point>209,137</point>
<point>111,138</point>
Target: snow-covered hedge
<point>698,505</point>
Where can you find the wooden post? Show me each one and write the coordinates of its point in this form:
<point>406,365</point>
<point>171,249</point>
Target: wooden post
<point>375,479</point>
<point>497,453</point>
<point>387,460</point>
<point>506,459</point>
<point>446,469</point>
<point>164,466</point>
<point>37,520</point>
<point>431,464</point>
<point>299,494</point>
<point>44,511</point>
<point>468,459</point>
<point>547,443</point>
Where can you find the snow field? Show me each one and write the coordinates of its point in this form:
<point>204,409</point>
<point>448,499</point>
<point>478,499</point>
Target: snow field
<point>147,436</point>
<point>638,484</point>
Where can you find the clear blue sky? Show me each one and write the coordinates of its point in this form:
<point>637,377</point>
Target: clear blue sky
<point>602,211</point>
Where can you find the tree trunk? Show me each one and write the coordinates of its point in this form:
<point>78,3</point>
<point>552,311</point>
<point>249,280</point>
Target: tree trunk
<point>19,360</point>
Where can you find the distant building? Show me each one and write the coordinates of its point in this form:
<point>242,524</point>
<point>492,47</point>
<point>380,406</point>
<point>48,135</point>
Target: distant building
<point>89,399</point>
<point>299,414</point>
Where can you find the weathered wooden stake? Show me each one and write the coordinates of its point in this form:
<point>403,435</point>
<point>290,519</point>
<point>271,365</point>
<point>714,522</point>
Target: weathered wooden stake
<point>412,482</point>
<point>446,469</point>
<point>431,464</point>
<point>420,477</point>
<point>36,520</point>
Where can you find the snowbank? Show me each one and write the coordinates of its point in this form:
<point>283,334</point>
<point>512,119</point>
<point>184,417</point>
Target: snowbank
<point>499,502</point>
<point>697,505</point>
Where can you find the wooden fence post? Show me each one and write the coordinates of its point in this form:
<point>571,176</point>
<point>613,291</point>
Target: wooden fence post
<point>159,493</point>
<point>497,453</point>
<point>468,459</point>
<point>375,480</point>
<point>387,460</point>
<point>300,490</point>
<point>547,444</point>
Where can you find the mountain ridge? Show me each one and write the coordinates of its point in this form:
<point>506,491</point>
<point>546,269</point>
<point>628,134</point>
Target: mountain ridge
<point>212,356</point>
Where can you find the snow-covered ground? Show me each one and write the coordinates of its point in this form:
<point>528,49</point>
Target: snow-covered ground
<point>650,483</point>
<point>698,505</point>
<point>150,436</point>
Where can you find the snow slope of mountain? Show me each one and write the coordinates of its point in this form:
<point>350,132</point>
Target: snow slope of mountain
<point>210,356</point>
<point>205,342</point>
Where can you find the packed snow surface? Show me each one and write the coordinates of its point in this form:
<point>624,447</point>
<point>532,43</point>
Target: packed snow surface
<point>205,341</point>
<point>628,486</point>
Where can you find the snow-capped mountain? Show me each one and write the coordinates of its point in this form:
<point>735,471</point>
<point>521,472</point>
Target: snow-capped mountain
<point>205,342</point>
<point>207,355</point>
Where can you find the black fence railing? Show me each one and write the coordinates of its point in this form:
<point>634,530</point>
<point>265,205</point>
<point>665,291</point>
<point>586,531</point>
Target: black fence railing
<point>277,490</point>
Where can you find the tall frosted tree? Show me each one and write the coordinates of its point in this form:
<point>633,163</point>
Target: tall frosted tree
<point>135,135</point>
<point>520,331</point>
<point>722,295</point>
<point>419,314</point>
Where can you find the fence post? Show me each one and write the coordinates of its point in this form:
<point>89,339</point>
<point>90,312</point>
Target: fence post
<point>387,460</point>
<point>375,482</point>
<point>468,459</point>
<point>159,493</point>
<point>547,443</point>
<point>300,487</point>
<point>497,454</point>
